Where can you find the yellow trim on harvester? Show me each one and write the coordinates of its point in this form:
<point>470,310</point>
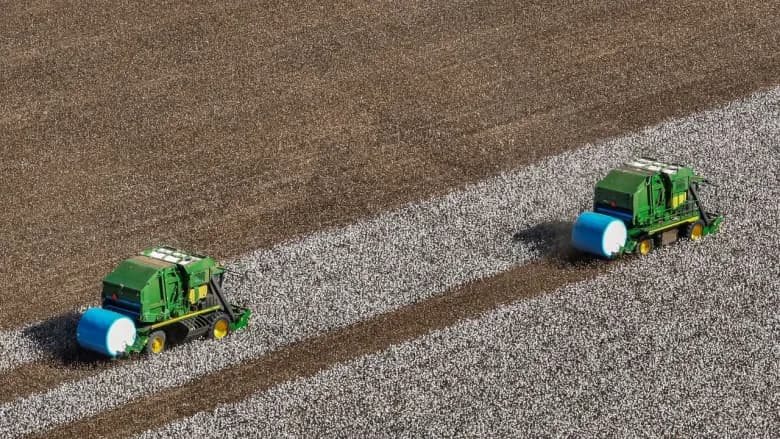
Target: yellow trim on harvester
<point>185,316</point>
<point>669,226</point>
<point>679,199</point>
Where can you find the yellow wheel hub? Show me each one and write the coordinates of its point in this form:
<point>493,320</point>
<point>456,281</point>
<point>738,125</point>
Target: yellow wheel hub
<point>157,345</point>
<point>696,231</point>
<point>220,328</point>
<point>644,247</point>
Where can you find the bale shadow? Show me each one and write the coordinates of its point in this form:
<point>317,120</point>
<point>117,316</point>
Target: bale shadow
<point>552,239</point>
<point>56,338</point>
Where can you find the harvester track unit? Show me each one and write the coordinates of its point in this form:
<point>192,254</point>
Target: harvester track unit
<point>641,205</point>
<point>159,297</point>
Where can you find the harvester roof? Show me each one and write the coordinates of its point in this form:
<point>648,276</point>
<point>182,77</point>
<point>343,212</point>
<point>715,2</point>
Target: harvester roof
<point>650,167</point>
<point>628,177</point>
<point>189,261</point>
<point>134,273</point>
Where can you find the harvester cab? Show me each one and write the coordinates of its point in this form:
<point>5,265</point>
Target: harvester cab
<point>156,298</point>
<point>643,204</point>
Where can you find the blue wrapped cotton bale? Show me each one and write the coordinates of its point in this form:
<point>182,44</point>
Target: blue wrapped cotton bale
<point>598,234</point>
<point>104,331</point>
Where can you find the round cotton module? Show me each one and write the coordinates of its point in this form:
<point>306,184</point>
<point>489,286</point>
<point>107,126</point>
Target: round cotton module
<point>104,331</point>
<point>599,234</point>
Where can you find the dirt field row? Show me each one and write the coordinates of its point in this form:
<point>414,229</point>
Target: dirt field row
<point>226,127</point>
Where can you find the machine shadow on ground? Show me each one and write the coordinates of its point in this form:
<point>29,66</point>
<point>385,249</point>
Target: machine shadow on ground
<point>56,337</point>
<point>552,239</point>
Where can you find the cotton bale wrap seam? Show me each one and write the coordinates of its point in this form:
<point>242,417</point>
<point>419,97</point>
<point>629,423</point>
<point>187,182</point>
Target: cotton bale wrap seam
<point>599,234</point>
<point>104,331</point>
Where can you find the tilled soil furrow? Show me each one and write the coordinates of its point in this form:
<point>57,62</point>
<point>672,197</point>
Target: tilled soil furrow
<point>41,375</point>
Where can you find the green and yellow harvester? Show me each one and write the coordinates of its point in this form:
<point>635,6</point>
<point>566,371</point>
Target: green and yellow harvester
<point>643,204</point>
<point>159,297</point>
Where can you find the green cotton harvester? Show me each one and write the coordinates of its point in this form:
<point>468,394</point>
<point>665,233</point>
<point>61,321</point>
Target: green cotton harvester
<point>159,297</point>
<point>643,204</point>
